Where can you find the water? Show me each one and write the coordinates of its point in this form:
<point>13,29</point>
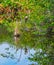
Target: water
<point>9,55</point>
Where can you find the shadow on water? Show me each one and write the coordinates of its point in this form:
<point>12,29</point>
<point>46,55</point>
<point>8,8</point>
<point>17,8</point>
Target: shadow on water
<point>26,50</point>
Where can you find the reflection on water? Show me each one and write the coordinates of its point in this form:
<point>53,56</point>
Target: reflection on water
<point>9,55</point>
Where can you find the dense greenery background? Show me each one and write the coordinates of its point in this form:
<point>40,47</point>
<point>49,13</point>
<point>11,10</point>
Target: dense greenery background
<point>35,23</point>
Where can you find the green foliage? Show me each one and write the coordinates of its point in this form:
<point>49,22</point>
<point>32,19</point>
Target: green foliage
<point>35,32</point>
<point>40,17</point>
<point>6,2</point>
